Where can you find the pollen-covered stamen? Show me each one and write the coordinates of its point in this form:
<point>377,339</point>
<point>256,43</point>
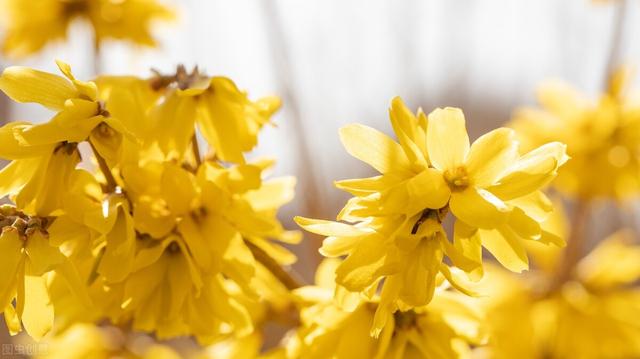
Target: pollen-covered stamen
<point>457,179</point>
<point>405,320</point>
<point>12,219</point>
<point>182,78</point>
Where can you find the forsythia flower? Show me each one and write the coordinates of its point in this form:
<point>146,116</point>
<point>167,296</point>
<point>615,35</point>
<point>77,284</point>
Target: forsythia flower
<point>89,341</point>
<point>162,242</point>
<point>444,329</point>
<point>31,25</point>
<point>591,315</point>
<point>602,137</point>
<point>28,259</point>
<point>207,100</point>
<point>395,232</point>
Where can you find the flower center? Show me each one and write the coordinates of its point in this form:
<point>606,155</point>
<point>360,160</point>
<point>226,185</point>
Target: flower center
<point>405,320</point>
<point>457,179</point>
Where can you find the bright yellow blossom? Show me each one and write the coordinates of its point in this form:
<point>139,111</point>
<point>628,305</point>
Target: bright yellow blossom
<point>28,259</point>
<point>395,231</point>
<point>602,136</point>
<point>90,341</point>
<point>591,315</point>
<point>444,329</point>
<point>31,25</point>
<point>227,119</point>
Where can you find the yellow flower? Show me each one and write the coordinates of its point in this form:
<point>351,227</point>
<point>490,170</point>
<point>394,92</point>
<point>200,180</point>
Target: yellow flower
<point>603,137</point>
<point>444,329</point>
<point>28,259</point>
<point>79,113</point>
<point>228,120</point>
<point>592,315</point>
<point>34,24</point>
<point>396,218</point>
<point>91,341</point>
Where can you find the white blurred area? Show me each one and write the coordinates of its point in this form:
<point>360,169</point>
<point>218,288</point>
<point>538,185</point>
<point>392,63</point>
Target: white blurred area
<point>336,62</point>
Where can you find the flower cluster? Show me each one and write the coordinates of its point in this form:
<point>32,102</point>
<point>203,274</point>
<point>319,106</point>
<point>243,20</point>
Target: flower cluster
<point>159,237</point>
<point>589,315</point>
<point>602,136</point>
<point>394,236</point>
<point>31,25</point>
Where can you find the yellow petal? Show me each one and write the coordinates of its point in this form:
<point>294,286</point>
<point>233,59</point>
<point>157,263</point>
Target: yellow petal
<point>370,260</point>
<point>523,225</point>
<point>10,247</point>
<point>37,316</point>
<point>506,247</point>
<point>16,174</point>
<point>330,228</point>
<point>532,171</point>
<point>405,126</point>
<point>196,242</point>
<point>73,124</point>
<point>12,320</point>
<point>447,139</point>
<point>219,120</point>
<point>12,145</point>
<point>43,257</point>
<point>119,256</point>
<point>272,194</point>
<point>374,148</point>
<point>23,84</point>
<point>467,253</point>
<point>490,155</point>
<point>365,186</point>
<point>428,190</point>
<point>179,189</point>
<point>478,208</point>
<point>174,136</point>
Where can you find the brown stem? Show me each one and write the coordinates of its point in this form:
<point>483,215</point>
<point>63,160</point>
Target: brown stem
<point>274,267</point>
<point>575,243</point>
<point>196,150</point>
<point>104,168</point>
<point>97,64</point>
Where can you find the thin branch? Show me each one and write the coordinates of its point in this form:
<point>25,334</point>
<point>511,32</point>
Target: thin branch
<point>274,267</point>
<point>106,171</point>
<point>575,243</point>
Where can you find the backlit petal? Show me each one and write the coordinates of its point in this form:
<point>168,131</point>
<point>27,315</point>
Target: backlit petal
<point>374,148</point>
<point>490,155</point>
<point>478,208</point>
<point>447,138</point>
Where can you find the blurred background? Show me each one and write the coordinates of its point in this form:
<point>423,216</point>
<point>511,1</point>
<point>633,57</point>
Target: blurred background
<point>336,62</point>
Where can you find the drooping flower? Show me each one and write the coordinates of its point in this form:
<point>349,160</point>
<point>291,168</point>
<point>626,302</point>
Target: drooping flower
<point>225,116</point>
<point>444,329</point>
<point>395,231</point>
<point>603,136</point>
<point>32,25</point>
<point>92,341</point>
<point>590,315</point>
<point>28,260</point>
